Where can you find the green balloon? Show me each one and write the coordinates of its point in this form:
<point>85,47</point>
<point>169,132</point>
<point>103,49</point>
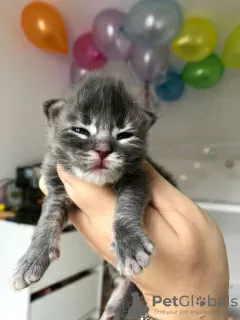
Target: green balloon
<point>203,74</point>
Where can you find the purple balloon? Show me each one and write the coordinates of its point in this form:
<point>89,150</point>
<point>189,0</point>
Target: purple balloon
<point>148,64</point>
<point>77,73</point>
<point>107,37</point>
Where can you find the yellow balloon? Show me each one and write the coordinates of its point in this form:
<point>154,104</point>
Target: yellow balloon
<point>196,41</point>
<point>231,50</point>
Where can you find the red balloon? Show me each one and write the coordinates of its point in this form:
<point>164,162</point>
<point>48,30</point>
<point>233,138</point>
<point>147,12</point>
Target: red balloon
<point>85,53</point>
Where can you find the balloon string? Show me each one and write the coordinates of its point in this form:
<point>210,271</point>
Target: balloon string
<point>147,95</point>
<point>151,102</point>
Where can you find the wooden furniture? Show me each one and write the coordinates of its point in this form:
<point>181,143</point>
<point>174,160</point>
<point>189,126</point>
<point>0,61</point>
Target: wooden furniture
<point>80,299</point>
<point>6,214</point>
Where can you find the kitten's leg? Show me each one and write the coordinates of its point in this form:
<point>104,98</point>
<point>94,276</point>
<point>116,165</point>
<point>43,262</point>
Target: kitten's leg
<point>121,298</point>
<point>131,244</point>
<point>115,303</point>
<point>45,242</point>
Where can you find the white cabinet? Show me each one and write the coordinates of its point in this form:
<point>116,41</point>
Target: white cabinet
<point>73,302</point>
<point>80,299</point>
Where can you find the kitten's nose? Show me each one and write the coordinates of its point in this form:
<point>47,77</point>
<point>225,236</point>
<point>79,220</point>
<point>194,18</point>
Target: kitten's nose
<point>103,153</point>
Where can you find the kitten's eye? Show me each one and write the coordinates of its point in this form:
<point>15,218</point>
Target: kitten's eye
<point>80,130</point>
<point>124,135</point>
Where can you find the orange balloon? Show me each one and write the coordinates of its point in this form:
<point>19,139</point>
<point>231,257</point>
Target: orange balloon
<point>44,27</point>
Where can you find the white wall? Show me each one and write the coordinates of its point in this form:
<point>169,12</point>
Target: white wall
<point>29,76</point>
<point>204,118</point>
<point>199,119</point>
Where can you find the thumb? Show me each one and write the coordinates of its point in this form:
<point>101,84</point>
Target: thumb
<point>90,198</point>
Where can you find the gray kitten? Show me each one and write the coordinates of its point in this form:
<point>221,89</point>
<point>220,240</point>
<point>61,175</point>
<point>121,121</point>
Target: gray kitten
<point>97,132</point>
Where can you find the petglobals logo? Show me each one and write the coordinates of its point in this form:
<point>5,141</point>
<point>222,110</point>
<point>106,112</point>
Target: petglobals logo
<point>193,301</point>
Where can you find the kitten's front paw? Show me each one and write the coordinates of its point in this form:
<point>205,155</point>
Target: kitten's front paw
<point>109,314</point>
<point>133,250</point>
<point>32,266</point>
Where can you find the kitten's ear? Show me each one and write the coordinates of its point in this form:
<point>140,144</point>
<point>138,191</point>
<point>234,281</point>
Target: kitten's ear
<point>52,108</point>
<point>150,118</point>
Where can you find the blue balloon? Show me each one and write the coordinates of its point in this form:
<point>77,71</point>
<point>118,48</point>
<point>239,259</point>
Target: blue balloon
<point>153,23</point>
<point>172,89</point>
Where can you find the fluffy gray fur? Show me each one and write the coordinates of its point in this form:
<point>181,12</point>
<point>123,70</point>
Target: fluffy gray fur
<point>98,132</point>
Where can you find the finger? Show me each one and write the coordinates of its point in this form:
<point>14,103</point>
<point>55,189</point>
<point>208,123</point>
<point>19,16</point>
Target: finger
<point>159,230</point>
<point>42,185</point>
<point>98,230</point>
<point>98,201</point>
<point>172,204</point>
<point>163,193</point>
<point>166,199</point>
<point>90,198</point>
<point>95,200</point>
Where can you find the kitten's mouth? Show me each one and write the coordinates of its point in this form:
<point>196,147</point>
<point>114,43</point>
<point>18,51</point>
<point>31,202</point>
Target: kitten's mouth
<point>100,167</point>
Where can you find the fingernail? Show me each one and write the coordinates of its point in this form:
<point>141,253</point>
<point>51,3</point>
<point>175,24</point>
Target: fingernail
<point>42,185</point>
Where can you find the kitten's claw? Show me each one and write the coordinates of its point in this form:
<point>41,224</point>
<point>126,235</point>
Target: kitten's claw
<point>133,253</point>
<point>32,266</point>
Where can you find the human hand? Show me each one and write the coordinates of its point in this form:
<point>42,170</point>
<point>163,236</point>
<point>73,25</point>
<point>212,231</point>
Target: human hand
<point>190,255</point>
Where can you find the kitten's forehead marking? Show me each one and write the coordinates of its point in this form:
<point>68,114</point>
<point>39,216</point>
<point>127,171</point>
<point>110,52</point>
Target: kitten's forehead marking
<point>92,128</point>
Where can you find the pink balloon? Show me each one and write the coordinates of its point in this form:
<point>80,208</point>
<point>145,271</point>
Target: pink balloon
<point>85,53</point>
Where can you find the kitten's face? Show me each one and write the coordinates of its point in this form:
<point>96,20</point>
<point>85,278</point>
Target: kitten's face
<point>98,132</point>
